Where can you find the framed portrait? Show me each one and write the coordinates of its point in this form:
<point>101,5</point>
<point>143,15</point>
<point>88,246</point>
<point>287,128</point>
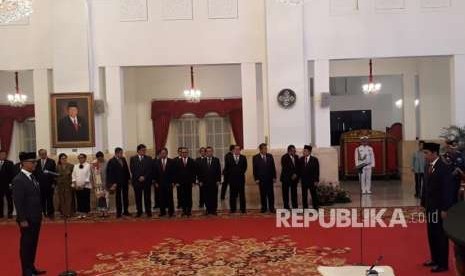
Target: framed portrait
<point>73,120</point>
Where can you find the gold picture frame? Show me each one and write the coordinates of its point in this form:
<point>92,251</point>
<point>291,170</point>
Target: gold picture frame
<point>72,119</point>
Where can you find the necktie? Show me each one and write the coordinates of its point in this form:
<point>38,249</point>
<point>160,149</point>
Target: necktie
<point>306,161</point>
<point>76,126</point>
<point>236,158</point>
<point>184,161</point>
<point>34,181</point>
<point>292,159</point>
<point>264,158</point>
<point>43,164</point>
<point>209,162</point>
<point>120,161</point>
<point>430,169</point>
<point>163,164</point>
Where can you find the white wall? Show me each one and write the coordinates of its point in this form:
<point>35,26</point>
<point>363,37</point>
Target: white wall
<point>365,32</point>
<point>142,85</point>
<point>168,42</point>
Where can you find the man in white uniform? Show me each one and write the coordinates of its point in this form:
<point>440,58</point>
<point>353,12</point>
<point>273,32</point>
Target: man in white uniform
<point>364,156</point>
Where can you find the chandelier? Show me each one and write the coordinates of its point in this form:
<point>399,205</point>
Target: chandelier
<point>192,95</point>
<point>371,87</point>
<point>17,99</point>
<point>14,10</point>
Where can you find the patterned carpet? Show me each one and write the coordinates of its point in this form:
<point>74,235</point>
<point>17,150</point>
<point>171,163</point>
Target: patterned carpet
<point>220,257</point>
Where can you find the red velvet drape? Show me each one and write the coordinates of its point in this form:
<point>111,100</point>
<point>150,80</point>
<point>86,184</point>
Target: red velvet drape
<point>164,111</point>
<point>8,115</point>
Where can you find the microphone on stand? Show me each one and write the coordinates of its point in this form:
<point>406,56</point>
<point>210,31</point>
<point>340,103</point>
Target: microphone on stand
<point>51,173</point>
<point>371,271</point>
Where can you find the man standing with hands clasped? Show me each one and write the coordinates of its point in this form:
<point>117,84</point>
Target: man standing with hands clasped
<point>26,197</point>
<point>365,159</point>
<point>264,172</point>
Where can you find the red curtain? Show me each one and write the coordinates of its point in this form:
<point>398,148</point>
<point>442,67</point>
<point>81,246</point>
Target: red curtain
<point>8,115</point>
<point>164,111</point>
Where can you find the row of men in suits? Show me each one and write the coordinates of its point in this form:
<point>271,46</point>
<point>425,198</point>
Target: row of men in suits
<point>43,173</point>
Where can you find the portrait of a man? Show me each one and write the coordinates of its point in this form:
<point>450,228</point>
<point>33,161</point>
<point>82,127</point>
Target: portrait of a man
<point>73,124</point>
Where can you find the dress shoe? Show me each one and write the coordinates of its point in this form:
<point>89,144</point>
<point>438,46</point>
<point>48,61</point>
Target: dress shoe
<point>39,272</point>
<point>149,215</point>
<point>138,215</point>
<point>262,211</point>
<point>429,263</point>
<point>273,210</point>
<point>438,269</point>
<point>126,214</point>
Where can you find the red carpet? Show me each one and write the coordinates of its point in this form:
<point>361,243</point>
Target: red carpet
<point>403,249</point>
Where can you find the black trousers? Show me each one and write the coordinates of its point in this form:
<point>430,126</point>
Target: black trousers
<point>83,200</point>
<point>266,195</point>
<point>437,239</point>
<point>211,197</point>
<point>6,193</point>
<point>289,185</point>
<point>46,198</point>
<point>142,191</point>
<point>224,187</point>
<point>419,178</point>
<point>156,197</point>
<point>313,193</point>
<point>186,198</point>
<point>237,190</point>
<point>179,196</point>
<point>122,199</point>
<point>28,247</point>
<point>165,191</point>
<point>202,196</point>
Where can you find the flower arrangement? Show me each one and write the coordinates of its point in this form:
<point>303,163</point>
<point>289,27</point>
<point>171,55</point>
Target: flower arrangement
<point>454,133</point>
<point>331,192</point>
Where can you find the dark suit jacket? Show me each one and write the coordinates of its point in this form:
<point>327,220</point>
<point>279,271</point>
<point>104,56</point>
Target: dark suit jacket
<point>45,180</point>
<point>264,171</point>
<point>26,197</point>
<point>234,173</point>
<point>67,132</point>
<point>141,168</point>
<point>163,177</point>
<point>198,169</point>
<point>439,188</point>
<point>117,174</point>
<point>289,168</point>
<point>185,174</point>
<point>310,173</point>
<point>7,173</point>
<point>210,175</point>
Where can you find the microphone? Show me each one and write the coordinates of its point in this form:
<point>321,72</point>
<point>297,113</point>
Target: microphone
<point>51,173</point>
<point>371,271</point>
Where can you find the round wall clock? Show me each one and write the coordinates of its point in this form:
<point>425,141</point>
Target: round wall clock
<point>286,98</point>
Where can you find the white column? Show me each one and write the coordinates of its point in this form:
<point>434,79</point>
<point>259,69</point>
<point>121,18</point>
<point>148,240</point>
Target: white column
<point>286,69</point>
<point>42,108</point>
<point>409,109</point>
<point>322,114</point>
<point>249,105</point>
<point>458,90</point>
<point>115,103</point>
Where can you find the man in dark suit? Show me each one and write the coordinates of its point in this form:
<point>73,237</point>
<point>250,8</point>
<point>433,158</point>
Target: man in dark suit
<point>198,163</point>
<point>141,172</point>
<point>235,167</point>
<point>163,176</point>
<point>44,171</point>
<point>210,179</point>
<point>118,177</point>
<point>185,180</point>
<point>7,173</point>
<point>289,176</point>
<point>309,173</point>
<point>224,185</point>
<point>73,127</point>
<point>26,197</point>
<point>439,194</point>
<point>178,188</point>
<point>264,172</point>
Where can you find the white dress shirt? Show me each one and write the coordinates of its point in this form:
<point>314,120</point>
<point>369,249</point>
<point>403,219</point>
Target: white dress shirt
<point>81,177</point>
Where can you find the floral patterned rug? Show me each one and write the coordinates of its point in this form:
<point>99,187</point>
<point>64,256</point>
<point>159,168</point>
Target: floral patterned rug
<point>219,257</point>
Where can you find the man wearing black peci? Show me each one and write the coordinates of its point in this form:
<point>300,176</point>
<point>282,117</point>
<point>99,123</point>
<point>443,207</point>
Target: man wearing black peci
<point>309,173</point>
<point>7,173</point>
<point>210,179</point>
<point>289,176</point>
<point>118,177</point>
<point>44,171</point>
<point>439,194</point>
<point>264,172</point>
<point>224,185</point>
<point>235,167</point>
<point>26,197</point>
<point>198,163</point>
<point>141,172</point>
<point>185,180</point>
<point>163,176</point>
